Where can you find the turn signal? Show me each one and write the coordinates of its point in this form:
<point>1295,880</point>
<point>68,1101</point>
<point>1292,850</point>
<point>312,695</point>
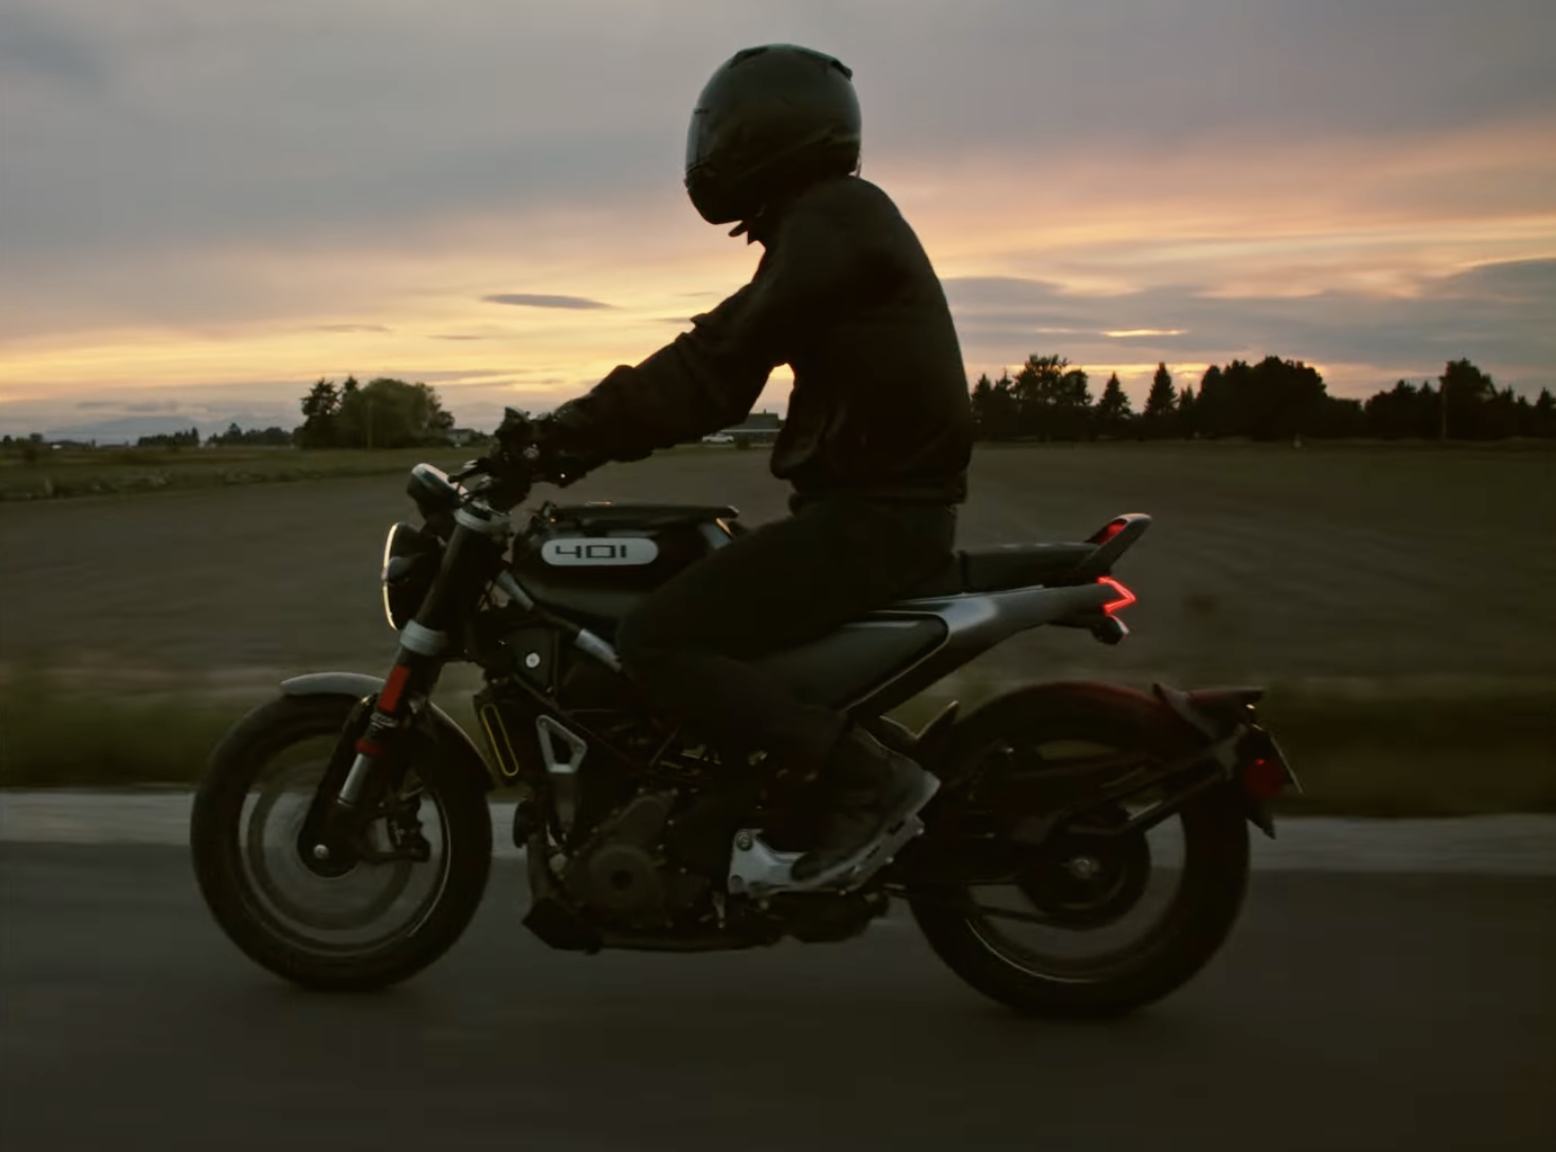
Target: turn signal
<point>1122,599</point>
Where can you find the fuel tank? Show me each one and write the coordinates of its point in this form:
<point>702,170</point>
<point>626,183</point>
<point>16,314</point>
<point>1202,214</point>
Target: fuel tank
<point>592,562</point>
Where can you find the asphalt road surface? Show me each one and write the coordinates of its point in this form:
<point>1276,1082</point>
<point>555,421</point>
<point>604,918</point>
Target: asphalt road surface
<point>1347,1012</point>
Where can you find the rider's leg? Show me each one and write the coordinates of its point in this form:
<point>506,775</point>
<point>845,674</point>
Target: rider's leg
<point>690,643</point>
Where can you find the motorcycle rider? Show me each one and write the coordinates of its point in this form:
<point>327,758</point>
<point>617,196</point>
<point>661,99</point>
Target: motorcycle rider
<point>876,443</point>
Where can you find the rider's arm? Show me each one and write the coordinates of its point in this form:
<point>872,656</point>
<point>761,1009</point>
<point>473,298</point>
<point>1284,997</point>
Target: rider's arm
<point>710,377</point>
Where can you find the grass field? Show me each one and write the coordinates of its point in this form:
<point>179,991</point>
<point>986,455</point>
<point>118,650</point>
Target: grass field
<point>1398,599</point>
<point>117,471</point>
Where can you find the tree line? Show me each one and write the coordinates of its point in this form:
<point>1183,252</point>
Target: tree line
<point>384,413</point>
<point>1275,399</point>
<point>1047,399</point>
<point>234,436</point>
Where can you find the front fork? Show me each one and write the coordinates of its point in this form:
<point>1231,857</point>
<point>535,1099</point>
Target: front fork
<point>369,755</point>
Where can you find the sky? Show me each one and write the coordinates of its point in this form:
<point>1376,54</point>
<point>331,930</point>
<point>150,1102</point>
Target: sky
<point>204,207</point>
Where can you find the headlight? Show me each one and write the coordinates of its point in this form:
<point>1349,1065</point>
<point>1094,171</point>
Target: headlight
<point>410,565</point>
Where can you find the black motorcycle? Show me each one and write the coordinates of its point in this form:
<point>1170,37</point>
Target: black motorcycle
<point>342,835</point>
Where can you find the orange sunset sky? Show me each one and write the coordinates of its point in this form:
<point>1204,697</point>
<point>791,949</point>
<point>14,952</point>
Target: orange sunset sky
<point>205,207</point>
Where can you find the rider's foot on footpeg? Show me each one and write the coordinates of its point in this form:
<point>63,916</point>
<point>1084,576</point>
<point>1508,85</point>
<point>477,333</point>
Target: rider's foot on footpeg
<point>871,792</point>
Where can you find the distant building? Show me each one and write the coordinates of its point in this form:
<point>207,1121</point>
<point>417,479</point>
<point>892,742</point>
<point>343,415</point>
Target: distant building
<point>459,437</point>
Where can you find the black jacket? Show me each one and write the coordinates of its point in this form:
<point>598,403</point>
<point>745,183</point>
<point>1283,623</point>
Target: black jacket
<point>846,296</point>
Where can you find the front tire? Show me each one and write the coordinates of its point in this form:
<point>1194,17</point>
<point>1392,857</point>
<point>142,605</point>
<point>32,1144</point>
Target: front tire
<point>1210,889</point>
<point>362,930</point>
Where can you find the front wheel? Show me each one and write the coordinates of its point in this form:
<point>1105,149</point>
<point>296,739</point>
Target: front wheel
<point>1089,926</point>
<point>367,926</point>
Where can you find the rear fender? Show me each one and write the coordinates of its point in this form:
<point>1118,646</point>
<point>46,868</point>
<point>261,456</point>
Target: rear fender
<point>1216,712</point>
<point>1228,719</point>
<point>1195,737</point>
<point>452,740</point>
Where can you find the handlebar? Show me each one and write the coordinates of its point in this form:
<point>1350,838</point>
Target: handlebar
<point>527,452</point>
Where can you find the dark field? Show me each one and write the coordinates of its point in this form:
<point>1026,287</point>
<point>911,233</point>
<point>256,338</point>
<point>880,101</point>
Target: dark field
<point>71,472</point>
<point>1263,561</point>
<point>1409,586</point>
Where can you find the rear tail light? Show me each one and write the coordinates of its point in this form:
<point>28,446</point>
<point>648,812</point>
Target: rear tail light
<point>1264,779</point>
<point>1122,597</point>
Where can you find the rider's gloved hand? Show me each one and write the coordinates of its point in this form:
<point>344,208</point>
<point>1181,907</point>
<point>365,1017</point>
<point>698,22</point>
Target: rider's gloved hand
<point>562,468</point>
<point>551,449</point>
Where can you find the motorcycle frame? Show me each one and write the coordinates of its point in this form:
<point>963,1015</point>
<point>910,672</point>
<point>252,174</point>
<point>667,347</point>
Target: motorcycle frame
<point>475,561</point>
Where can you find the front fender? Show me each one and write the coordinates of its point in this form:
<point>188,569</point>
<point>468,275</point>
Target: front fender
<point>450,735</point>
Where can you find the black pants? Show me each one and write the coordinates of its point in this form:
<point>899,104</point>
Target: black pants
<point>781,585</point>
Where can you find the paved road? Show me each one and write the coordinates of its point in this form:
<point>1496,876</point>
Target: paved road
<point>1505,845</point>
<point>1348,1012</point>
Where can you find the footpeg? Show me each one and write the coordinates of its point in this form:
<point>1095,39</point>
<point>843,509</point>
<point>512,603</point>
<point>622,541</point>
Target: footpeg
<point>758,871</point>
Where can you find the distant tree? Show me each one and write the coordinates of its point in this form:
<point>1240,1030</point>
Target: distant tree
<point>321,408</point>
<point>1465,405</point>
<point>1214,413</point>
<point>1468,399</point>
<point>1520,416</point>
<point>388,413</point>
<point>5,441</point>
<point>1396,413</point>
<point>980,399</point>
<point>272,437</point>
<point>1053,399</point>
<point>997,412</point>
<point>1339,418</point>
<point>175,440</point>
<point>993,408</point>
<point>1160,404</point>
<point>1544,410</point>
<point>1113,412</point>
<point>1285,399</point>
<point>1036,389</point>
<point>1428,411</point>
<point>232,437</point>
<point>1188,414</point>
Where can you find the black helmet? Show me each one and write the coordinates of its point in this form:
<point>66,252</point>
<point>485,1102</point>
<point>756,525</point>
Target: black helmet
<point>771,120</point>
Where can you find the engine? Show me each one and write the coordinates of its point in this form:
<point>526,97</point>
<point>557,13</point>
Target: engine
<point>623,875</point>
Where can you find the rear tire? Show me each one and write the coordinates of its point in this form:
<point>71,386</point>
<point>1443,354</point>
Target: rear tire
<point>243,903</point>
<point>1215,866</point>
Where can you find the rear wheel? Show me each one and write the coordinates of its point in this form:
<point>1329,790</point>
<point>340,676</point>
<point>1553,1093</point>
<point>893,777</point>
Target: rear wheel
<point>1095,926</point>
<point>365,925</point>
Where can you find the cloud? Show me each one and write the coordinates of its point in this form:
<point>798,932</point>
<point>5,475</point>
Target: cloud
<point>214,190</point>
<point>267,124</point>
<point>38,44</point>
<point>123,406</point>
<point>1497,315</point>
<point>450,336</point>
<point>530,300</point>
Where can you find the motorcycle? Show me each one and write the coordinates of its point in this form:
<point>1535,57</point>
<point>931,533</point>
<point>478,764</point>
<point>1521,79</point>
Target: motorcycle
<point>342,831</point>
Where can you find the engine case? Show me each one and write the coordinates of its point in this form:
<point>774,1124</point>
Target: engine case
<point>623,876</point>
